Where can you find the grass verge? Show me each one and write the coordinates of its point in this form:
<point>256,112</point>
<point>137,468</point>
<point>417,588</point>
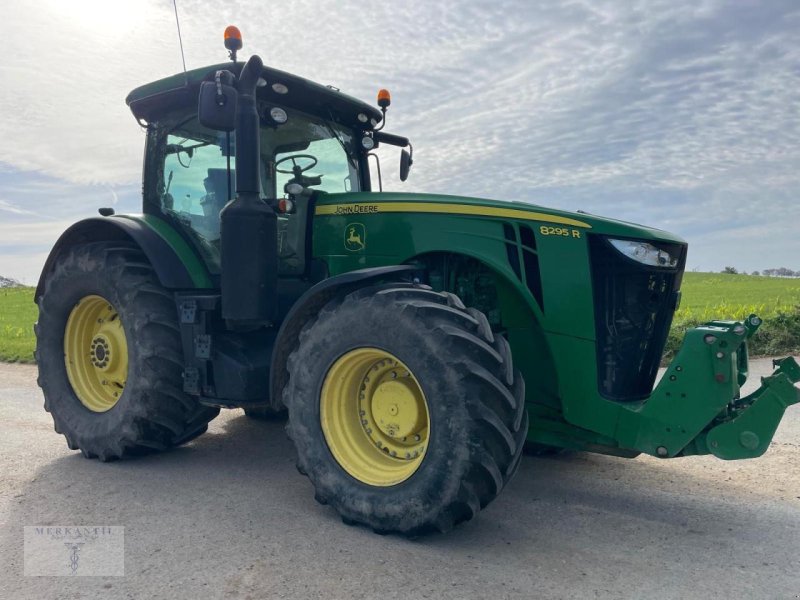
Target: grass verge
<point>18,313</point>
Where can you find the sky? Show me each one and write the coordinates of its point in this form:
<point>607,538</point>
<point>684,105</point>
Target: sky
<point>680,115</point>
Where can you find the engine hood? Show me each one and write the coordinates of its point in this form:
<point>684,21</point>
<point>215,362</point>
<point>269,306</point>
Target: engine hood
<point>373,202</point>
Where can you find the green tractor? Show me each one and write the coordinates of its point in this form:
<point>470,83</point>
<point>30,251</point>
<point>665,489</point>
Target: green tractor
<point>418,342</point>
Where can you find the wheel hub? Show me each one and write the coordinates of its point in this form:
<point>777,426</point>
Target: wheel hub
<point>100,354</point>
<point>396,408</point>
<point>393,410</point>
<point>96,353</point>
<point>374,416</point>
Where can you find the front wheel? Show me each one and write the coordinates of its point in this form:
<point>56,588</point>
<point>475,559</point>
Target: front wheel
<point>405,409</point>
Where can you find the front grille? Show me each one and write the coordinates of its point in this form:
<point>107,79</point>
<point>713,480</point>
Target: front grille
<point>634,306</point>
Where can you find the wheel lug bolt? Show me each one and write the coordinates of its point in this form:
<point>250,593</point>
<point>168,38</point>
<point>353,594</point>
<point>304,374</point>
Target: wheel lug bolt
<point>362,412</point>
<point>394,453</point>
<point>417,437</point>
<point>364,422</point>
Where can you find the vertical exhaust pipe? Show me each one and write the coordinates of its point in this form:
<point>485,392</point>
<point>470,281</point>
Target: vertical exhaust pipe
<point>248,225</point>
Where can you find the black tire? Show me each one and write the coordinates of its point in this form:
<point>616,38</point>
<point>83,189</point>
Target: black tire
<point>265,413</point>
<point>153,412</point>
<point>475,401</point>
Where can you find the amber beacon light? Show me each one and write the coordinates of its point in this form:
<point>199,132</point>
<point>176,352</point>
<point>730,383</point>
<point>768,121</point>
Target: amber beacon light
<point>384,98</point>
<point>233,41</point>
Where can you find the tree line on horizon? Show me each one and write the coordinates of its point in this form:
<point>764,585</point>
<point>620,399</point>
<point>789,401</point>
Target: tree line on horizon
<point>8,282</point>
<point>779,272</point>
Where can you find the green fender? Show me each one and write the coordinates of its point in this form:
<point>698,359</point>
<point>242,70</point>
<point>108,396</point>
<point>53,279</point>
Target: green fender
<point>175,262</point>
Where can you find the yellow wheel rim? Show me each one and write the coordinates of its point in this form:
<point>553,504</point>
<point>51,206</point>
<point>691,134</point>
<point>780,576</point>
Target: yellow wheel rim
<point>374,417</point>
<point>96,353</point>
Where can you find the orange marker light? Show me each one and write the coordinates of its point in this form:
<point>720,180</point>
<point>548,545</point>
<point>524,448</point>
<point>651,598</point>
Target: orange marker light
<point>384,98</point>
<point>233,38</point>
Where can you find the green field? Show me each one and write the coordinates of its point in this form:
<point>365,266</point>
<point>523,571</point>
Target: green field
<point>17,316</point>
<point>706,296</point>
<point>722,296</point>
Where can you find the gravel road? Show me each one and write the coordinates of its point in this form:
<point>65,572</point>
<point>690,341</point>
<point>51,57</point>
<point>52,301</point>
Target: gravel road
<point>228,516</point>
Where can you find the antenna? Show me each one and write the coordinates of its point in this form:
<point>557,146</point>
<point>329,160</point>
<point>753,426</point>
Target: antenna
<point>180,40</point>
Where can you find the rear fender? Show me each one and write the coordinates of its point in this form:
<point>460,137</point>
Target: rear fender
<point>174,261</point>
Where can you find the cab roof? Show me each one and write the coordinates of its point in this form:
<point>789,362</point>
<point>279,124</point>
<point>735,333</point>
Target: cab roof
<point>149,101</point>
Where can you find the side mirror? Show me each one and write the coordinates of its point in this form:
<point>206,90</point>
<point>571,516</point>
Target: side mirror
<point>405,164</point>
<point>216,107</point>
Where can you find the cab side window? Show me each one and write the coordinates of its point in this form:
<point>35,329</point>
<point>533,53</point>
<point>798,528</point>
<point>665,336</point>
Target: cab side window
<point>196,183</point>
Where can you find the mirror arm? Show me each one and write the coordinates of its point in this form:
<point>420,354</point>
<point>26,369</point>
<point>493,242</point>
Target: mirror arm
<point>391,139</point>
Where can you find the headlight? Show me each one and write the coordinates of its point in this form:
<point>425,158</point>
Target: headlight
<point>645,253</point>
<point>367,142</point>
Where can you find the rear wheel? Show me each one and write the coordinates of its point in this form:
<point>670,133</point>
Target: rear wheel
<point>109,354</point>
<point>405,409</point>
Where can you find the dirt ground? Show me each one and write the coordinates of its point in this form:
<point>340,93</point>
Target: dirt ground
<point>228,516</point>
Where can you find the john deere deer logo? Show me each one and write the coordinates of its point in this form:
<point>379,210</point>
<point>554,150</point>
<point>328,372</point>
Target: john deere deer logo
<point>355,237</point>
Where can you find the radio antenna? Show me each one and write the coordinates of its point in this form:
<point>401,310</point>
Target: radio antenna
<point>180,40</point>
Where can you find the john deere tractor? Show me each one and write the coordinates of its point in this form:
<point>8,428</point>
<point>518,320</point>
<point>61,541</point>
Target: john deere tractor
<point>418,342</point>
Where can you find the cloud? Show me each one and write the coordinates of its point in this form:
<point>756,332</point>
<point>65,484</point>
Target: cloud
<point>680,114</point>
<point>24,248</point>
<point>15,210</point>
<point>50,206</point>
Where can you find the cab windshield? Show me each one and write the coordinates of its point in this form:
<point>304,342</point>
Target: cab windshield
<point>193,184</point>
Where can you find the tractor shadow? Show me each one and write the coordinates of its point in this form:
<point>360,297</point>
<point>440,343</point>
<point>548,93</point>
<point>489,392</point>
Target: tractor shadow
<point>236,490</point>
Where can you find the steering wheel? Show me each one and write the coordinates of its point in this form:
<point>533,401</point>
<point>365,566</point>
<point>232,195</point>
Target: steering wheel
<point>296,168</point>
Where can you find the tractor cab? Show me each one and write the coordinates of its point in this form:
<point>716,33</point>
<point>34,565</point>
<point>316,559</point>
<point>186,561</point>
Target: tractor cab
<point>312,139</point>
<point>297,138</point>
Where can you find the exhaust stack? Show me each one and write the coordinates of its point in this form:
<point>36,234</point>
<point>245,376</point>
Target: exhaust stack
<point>248,224</point>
